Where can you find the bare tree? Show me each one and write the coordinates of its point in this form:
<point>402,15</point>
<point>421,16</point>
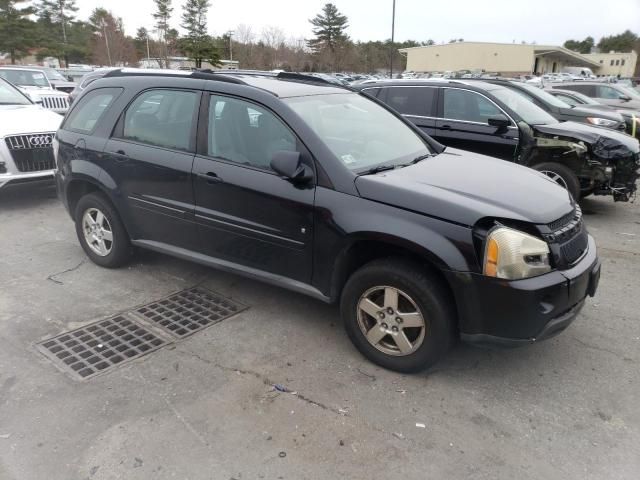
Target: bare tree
<point>273,38</point>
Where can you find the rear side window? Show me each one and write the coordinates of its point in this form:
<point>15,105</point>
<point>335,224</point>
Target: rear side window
<point>468,106</point>
<point>162,118</point>
<point>411,100</point>
<point>90,109</point>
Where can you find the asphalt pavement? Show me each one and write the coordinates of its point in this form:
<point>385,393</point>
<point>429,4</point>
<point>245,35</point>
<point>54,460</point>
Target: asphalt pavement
<point>205,406</point>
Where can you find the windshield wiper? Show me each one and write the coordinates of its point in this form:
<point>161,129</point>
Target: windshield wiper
<point>380,168</point>
<point>422,157</point>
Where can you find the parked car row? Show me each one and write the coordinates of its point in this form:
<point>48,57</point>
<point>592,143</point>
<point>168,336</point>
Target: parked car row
<point>520,123</point>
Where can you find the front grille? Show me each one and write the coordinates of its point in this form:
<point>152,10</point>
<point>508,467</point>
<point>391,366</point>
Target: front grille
<point>32,153</point>
<point>55,102</point>
<point>569,234</point>
<point>575,248</point>
<point>566,219</point>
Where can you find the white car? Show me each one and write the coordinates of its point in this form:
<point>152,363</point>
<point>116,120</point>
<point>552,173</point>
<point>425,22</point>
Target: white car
<point>35,84</point>
<point>26,137</point>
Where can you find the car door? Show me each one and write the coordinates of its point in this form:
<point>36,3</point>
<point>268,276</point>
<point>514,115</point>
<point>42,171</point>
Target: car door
<point>149,158</point>
<point>246,213</point>
<point>464,123</point>
<point>415,103</point>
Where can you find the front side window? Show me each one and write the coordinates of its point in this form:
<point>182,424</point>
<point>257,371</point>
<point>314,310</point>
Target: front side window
<point>9,95</point>
<point>358,131</point>
<point>245,133</point>
<point>162,118</point>
<point>25,78</point>
<point>415,101</point>
<point>85,115</point>
<point>469,106</point>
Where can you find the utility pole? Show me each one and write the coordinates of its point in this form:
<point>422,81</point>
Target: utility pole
<point>393,31</point>
<point>106,41</point>
<point>230,34</point>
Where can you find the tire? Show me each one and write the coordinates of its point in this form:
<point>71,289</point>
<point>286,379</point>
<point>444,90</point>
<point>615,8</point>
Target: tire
<point>117,246</point>
<point>419,290</point>
<point>562,173</point>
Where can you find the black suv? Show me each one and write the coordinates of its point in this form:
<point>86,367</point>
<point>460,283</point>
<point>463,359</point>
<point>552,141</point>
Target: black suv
<point>319,189</point>
<point>495,120</point>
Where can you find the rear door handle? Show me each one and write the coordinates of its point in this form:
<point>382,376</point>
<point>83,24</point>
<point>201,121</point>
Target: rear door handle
<point>210,177</point>
<point>445,127</point>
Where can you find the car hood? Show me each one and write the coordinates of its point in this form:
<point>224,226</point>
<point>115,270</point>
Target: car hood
<point>583,111</point>
<point>62,83</point>
<point>465,187</point>
<point>602,140</point>
<point>22,119</point>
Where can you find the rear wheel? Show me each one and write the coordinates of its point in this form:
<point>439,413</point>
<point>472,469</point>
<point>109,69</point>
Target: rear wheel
<point>398,315</point>
<point>562,175</point>
<point>101,232</point>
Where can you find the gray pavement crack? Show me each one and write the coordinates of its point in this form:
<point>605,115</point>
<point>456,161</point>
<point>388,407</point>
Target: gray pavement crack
<point>602,349</point>
<point>265,380</point>
<point>54,280</point>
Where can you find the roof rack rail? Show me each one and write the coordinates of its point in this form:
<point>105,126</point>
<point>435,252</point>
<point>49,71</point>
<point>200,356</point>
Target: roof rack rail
<point>296,76</point>
<point>201,75</point>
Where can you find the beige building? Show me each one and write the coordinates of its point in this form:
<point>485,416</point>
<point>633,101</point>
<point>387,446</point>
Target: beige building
<point>613,63</point>
<point>504,58</point>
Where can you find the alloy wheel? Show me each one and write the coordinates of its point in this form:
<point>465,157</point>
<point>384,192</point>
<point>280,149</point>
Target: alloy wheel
<point>97,232</point>
<point>391,321</point>
<point>555,177</point>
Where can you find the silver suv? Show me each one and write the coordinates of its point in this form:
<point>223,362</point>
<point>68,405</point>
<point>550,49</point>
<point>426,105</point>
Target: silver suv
<point>615,95</point>
<point>34,82</point>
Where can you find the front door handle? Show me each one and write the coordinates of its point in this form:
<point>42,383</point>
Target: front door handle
<point>445,127</point>
<point>120,155</point>
<point>210,177</point>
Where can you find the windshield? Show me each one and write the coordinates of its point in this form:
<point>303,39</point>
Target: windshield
<point>584,99</point>
<point>632,92</point>
<point>358,131</point>
<point>10,95</point>
<point>525,108</point>
<point>53,74</point>
<point>25,78</point>
<point>544,96</point>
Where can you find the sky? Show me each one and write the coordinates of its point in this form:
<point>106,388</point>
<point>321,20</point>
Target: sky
<point>542,21</point>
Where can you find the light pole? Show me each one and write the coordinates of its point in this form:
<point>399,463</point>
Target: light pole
<point>393,31</point>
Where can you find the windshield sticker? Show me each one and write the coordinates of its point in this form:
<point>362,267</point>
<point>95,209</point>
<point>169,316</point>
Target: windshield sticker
<point>38,76</point>
<point>348,159</point>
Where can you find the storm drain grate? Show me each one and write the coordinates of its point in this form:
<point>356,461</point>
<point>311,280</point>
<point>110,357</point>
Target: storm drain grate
<point>189,311</point>
<point>100,346</point>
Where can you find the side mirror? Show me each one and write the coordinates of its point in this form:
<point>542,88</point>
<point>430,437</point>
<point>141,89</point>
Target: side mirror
<point>499,121</point>
<point>624,98</point>
<point>289,165</point>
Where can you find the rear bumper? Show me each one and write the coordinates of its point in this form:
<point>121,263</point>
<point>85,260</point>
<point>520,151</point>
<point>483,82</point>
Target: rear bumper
<point>511,313</point>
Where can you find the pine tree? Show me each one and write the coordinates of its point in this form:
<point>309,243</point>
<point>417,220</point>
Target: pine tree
<point>329,28</point>
<point>197,44</point>
<point>59,13</point>
<point>162,16</point>
<point>15,28</point>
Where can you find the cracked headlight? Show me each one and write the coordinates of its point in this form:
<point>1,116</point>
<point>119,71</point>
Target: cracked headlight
<point>601,122</point>
<point>512,254</point>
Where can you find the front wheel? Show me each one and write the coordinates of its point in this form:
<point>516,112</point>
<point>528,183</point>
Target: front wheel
<point>398,314</point>
<point>562,175</point>
<point>100,231</point>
